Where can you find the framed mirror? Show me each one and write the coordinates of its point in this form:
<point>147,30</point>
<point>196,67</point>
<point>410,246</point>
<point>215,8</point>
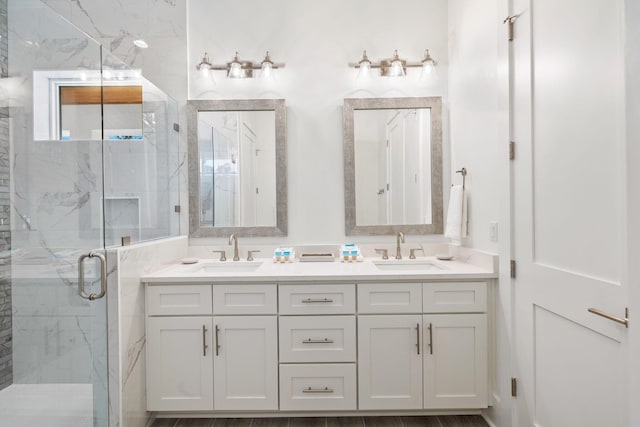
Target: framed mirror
<point>393,165</point>
<point>237,168</point>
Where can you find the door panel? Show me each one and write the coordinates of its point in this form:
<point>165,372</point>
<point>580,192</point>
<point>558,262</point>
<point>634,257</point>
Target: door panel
<point>588,367</point>
<point>568,205</point>
<point>389,365</point>
<point>181,380</point>
<point>246,363</point>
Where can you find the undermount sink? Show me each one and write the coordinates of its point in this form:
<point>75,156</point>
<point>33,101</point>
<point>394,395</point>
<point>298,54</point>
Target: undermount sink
<point>228,267</point>
<point>408,265</point>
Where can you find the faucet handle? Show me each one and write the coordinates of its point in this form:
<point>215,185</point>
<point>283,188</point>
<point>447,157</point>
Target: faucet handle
<point>412,252</point>
<point>250,255</point>
<point>384,252</point>
<point>223,255</point>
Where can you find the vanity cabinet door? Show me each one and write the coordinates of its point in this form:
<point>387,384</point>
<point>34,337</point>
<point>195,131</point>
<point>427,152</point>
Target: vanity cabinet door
<point>180,364</point>
<point>245,363</point>
<point>389,362</point>
<point>455,361</point>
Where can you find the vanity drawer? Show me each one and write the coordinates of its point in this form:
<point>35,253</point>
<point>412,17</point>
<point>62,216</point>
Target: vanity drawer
<point>454,297</point>
<point>390,298</point>
<point>318,339</point>
<point>168,300</point>
<point>317,299</point>
<point>317,387</point>
<point>245,299</point>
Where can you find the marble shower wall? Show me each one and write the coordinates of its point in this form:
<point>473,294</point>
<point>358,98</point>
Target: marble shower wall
<point>127,339</point>
<point>57,198</point>
<point>163,25</point>
<point>6,360</point>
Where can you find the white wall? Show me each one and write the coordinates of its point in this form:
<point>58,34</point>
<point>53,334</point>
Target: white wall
<point>478,98</point>
<point>316,41</point>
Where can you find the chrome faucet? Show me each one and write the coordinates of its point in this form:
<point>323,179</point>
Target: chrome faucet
<point>399,239</point>
<point>233,238</point>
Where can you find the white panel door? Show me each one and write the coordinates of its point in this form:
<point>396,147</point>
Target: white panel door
<point>568,206</point>
<point>179,364</point>
<point>389,362</point>
<point>246,363</point>
<point>455,360</point>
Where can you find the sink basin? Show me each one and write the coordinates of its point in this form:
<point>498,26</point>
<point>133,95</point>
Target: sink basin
<point>228,267</point>
<point>408,265</point>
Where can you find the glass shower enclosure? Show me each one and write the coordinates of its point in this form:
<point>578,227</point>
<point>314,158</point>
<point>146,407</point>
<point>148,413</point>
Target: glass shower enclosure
<point>91,158</point>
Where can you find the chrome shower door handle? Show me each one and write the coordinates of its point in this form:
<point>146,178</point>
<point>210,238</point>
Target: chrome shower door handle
<point>103,276</point>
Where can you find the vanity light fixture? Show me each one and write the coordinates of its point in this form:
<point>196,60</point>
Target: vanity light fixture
<point>394,66</point>
<point>241,69</point>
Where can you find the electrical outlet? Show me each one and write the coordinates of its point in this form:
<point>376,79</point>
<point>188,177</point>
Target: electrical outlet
<point>493,231</point>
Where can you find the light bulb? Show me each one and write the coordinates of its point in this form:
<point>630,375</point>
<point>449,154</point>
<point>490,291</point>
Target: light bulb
<point>267,70</point>
<point>397,68</point>
<point>235,70</point>
<point>428,65</point>
<point>364,67</point>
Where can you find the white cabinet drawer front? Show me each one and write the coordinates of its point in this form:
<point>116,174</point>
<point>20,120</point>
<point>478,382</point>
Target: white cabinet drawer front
<point>317,387</point>
<point>390,298</point>
<point>461,297</point>
<point>179,300</point>
<point>245,299</point>
<point>317,299</point>
<point>318,339</point>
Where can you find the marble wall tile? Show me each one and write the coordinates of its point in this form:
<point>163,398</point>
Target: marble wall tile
<point>127,339</point>
<point>6,345</point>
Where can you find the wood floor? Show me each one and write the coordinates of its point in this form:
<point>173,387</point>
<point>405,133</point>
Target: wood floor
<point>432,421</point>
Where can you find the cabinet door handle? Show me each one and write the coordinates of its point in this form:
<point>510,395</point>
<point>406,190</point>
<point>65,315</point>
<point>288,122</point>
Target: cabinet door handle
<point>317,390</point>
<point>217,340</point>
<point>204,340</point>
<point>322,341</point>
<point>430,338</point>
<point>418,337</point>
<point>312,300</point>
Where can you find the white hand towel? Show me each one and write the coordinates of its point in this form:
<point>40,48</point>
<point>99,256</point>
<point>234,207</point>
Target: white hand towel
<point>456,228</point>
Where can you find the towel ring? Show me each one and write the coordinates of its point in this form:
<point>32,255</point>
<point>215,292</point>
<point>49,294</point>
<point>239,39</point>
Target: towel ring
<point>462,171</point>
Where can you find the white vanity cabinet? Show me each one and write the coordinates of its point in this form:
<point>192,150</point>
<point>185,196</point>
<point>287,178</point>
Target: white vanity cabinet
<point>307,346</point>
<point>179,351</point>
<point>435,358</point>
<point>205,351</point>
<point>455,349</point>
<point>317,347</point>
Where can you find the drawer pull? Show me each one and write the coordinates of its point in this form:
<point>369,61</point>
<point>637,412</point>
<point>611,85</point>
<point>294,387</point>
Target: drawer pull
<point>317,390</point>
<point>322,341</point>
<point>217,340</point>
<point>204,341</point>
<point>314,300</point>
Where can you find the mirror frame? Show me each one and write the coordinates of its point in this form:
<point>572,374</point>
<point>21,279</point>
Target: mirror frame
<point>277,105</point>
<point>351,104</point>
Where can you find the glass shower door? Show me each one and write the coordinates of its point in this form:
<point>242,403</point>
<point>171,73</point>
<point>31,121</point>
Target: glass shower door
<point>58,334</point>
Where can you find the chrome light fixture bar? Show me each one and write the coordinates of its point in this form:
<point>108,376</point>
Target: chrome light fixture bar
<point>394,66</point>
<point>240,69</point>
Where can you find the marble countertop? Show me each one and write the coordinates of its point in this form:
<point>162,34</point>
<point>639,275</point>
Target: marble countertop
<point>370,269</point>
